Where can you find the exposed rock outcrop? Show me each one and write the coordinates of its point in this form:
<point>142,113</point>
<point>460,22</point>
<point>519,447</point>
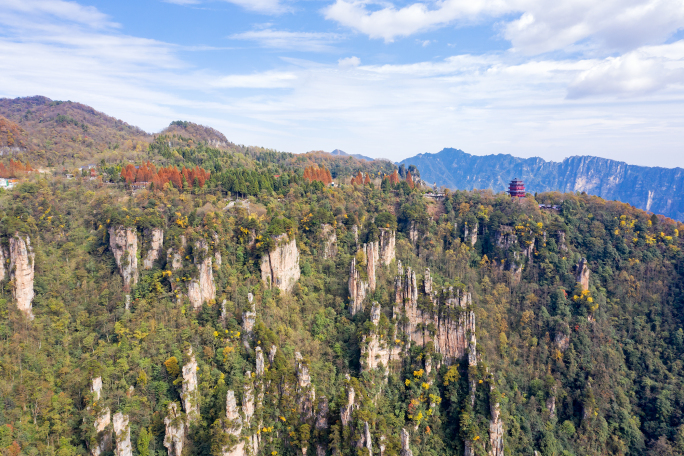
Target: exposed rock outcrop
<point>329,241</point>
<point>405,443</point>
<point>202,289</point>
<point>470,234</point>
<point>233,427</point>
<point>413,232</point>
<point>447,325</point>
<point>582,276</point>
<point>496,433</point>
<point>122,433</point>
<point>376,351</point>
<point>259,362</point>
<point>280,268</point>
<point>305,391</point>
<point>124,244</point>
<point>174,438</point>
<point>387,248</point>
<point>3,259</point>
<point>103,438</point>
<point>22,269</point>
<point>156,239</point>
<point>347,410</point>
<point>189,393</point>
<point>362,276</point>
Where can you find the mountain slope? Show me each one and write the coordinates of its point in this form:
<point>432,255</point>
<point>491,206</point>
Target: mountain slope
<point>651,189</point>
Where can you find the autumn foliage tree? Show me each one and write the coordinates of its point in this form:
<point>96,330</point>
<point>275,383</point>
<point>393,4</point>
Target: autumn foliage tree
<point>147,172</point>
<point>314,173</point>
<point>359,179</point>
<point>15,169</point>
<point>409,179</point>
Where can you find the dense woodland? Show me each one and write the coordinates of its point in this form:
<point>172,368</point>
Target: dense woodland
<point>576,372</point>
<point>617,386</point>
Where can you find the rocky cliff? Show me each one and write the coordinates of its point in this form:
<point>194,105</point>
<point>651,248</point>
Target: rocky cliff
<point>583,273</point>
<point>362,276</point>
<point>202,289</point>
<point>233,427</point>
<point>377,351</point>
<point>22,269</point>
<point>174,437</point>
<point>189,390</point>
<point>280,268</point>
<point>155,237</point>
<point>447,322</point>
<point>328,241</point>
<point>123,242</point>
<point>103,436</point>
<point>122,434</point>
<point>651,189</point>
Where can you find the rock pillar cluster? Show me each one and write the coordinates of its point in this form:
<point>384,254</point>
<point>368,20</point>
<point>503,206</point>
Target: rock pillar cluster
<point>362,280</point>
<point>123,242</point>
<point>22,270</point>
<point>202,289</point>
<point>451,319</point>
<point>280,268</point>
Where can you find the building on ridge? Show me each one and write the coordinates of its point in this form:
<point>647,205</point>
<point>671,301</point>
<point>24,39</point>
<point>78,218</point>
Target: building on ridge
<point>516,188</point>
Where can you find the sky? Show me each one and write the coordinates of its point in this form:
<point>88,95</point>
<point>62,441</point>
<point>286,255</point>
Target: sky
<point>386,79</point>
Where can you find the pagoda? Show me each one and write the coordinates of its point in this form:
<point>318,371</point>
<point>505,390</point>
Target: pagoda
<point>516,188</point>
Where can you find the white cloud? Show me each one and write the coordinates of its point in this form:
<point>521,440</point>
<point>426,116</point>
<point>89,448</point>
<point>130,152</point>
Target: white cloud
<point>261,6</point>
<point>492,103</point>
<point>541,27</point>
<point>636,73</point>
<point>299,41</point>
<point>264,80</point>
<point>349,62</point>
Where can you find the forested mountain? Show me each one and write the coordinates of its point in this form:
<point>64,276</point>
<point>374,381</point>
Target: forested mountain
<point>358,319</point>
<point>654,189</point>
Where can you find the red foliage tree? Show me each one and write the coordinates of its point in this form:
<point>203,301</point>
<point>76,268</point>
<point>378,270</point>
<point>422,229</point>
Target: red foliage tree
<point>409,179</point>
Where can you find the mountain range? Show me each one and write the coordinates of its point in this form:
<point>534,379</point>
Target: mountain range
<point>652,189</point>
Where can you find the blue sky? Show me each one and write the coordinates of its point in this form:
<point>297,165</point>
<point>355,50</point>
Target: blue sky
<point>382,78</point>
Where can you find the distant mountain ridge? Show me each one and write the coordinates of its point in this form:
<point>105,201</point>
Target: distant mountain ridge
<point>343,153</point>
<point>652,189</point>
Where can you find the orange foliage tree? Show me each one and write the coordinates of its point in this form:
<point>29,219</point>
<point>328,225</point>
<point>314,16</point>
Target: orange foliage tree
<point>409,179</point>
<point>314,173</point>
<point>147,172</point>
<point>16,169</point>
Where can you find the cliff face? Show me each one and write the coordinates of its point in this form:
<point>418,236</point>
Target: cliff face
<point>122,433</point>
<point>329,241</point>
<point>124,244</point>
<point>233,426</point>
<point>103,439</point>
<point>387,250</point>
<point>22,272</point>
<point>651,189</point>
<point>377,351</point>
<point>174,438</point>
<point>496,432</point>
<point>156,240</point>
<point>189,390</point>
<point>583,274</point>
<point>363,281</point>
<point>280,268</point>
<point>451,318</point>
<point>202,289</point>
